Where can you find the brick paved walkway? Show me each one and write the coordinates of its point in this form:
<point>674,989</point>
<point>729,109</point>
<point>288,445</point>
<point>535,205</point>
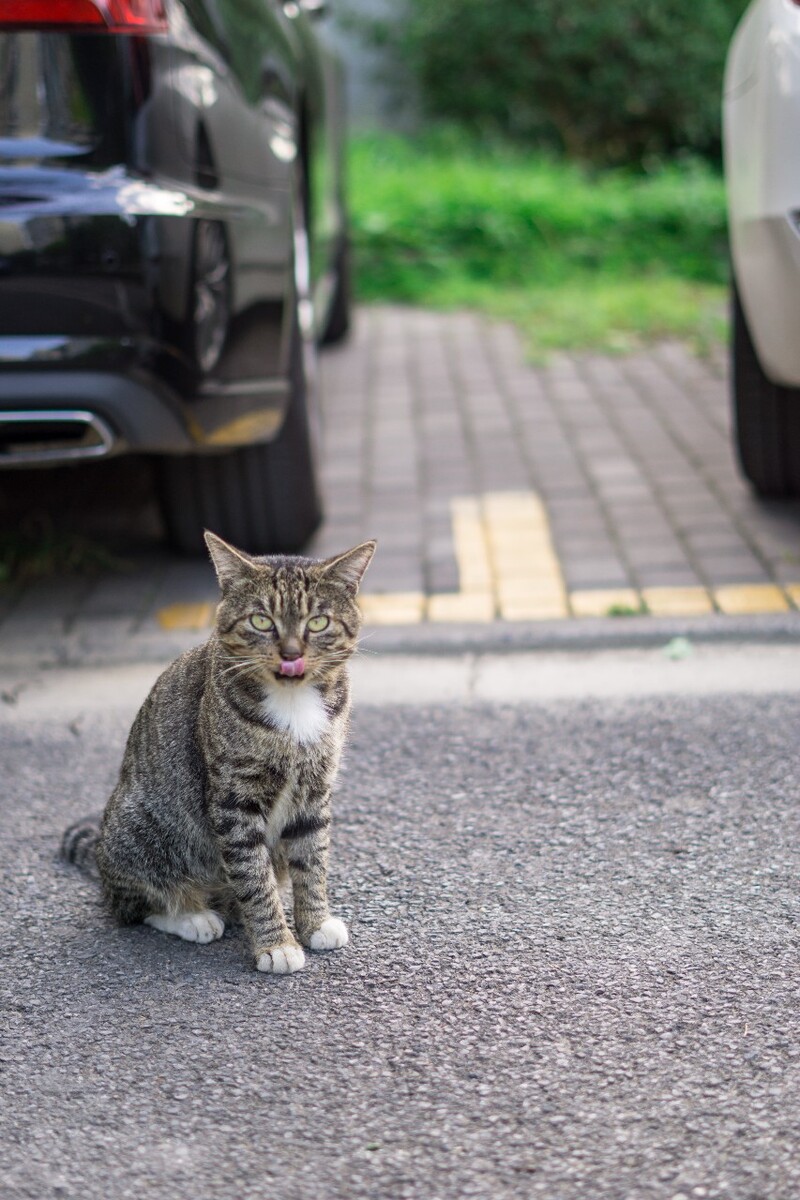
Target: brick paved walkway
<point>631,458</point>
<point>496,489</point>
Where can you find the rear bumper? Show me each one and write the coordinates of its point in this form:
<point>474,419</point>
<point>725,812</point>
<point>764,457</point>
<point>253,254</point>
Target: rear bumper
<point>130,414</point>
<point>127,414</point>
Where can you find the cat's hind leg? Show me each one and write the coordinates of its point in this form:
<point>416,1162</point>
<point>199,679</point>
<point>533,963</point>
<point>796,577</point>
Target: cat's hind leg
<point>184,913</point>
<point>204,926</point>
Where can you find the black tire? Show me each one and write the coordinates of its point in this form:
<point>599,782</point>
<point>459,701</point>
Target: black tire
<point>341,310</point>
<point>264,498</point>
<point>766,417</point>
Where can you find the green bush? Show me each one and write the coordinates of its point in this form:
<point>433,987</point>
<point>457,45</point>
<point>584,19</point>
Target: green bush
<point>607,83</point>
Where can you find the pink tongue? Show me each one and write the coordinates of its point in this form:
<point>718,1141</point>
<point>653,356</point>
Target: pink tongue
<point>293,667</point>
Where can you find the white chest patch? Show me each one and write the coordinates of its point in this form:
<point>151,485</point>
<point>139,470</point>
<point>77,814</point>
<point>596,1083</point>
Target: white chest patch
<point>297,710</point>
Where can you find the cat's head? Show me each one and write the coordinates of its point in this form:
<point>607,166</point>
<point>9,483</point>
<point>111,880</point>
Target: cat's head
<point>293,620</point>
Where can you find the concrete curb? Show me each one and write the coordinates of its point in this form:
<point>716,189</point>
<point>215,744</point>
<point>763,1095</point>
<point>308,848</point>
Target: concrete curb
<point>112,646</point>
<point>603,633</point>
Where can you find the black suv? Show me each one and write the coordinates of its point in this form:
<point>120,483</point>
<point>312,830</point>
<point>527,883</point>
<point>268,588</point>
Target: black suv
<point>172,247</point>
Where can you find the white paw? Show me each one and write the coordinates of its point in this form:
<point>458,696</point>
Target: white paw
<point>192,927</point>
<point>281,960</point>
<point>330,936</point>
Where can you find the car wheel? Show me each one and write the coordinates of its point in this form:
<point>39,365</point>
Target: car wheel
<point>766,417</point>
<point>210,294</point>
<point>263,498</point>
<point>340,315</point>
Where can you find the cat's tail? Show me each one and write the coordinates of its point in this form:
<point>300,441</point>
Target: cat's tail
<point>79,843</point>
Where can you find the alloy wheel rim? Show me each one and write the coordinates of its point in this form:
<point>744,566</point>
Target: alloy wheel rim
<point>211,293</point>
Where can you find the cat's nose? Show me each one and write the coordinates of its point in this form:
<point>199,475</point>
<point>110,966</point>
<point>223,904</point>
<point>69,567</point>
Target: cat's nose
<point>291,651</point>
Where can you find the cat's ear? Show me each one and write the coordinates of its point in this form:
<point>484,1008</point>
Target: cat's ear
<point>229,563</point>
<point>348,568</point>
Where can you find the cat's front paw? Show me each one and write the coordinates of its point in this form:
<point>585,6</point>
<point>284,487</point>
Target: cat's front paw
<point>331,935</point>
<point>281,960</point>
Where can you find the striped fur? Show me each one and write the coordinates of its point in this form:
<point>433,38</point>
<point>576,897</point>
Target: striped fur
<point>79,843</point>
<point>226,779</point>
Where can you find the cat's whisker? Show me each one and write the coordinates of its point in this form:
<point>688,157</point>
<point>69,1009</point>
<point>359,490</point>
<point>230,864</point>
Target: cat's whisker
<point>360,648</point>
<point>243,665</point>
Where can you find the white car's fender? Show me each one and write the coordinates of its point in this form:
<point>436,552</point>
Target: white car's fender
<point>761,133</point>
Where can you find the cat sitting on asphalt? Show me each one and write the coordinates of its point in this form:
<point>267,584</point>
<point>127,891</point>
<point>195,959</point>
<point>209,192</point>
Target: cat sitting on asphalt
<point>226,779</point>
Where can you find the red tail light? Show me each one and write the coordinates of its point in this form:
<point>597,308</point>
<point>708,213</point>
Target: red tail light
<point>100,16</point>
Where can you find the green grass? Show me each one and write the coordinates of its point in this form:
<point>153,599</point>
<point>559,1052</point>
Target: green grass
<point>578,260</point>
<point>627,610</point>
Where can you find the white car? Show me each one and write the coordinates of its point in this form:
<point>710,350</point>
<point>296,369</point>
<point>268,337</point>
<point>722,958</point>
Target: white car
<point>761,119</point>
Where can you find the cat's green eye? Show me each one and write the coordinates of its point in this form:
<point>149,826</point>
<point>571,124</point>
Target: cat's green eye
<point>317,624</point>
<point>262,622</point>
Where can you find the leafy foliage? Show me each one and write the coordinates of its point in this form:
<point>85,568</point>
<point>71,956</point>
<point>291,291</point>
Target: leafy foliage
<point>606,83</point>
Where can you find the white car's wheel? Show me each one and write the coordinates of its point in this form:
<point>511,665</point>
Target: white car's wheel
<point>766,417</point>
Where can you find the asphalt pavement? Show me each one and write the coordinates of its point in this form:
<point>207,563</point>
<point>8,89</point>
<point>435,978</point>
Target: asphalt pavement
<point>571,884</point>
<point>565,839</point>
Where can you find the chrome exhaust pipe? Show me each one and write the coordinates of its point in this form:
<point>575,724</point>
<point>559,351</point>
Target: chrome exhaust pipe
<point>59,435</point>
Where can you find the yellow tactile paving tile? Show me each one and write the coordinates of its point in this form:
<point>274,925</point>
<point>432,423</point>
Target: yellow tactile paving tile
<point>530,589</point>
<point>604,602</point>
<point>677,601</point>
<point>521,600</point>
<point>470,607</point>
<point>528,610</point>
<point>393,608</point>
<point>471,549</point>
<point>186,616</point>
<point>747,599</point>
<point>527,574</point>
<point>475,581</point>
<point>508,568</point>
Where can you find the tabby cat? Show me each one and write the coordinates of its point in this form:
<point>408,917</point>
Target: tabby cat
<point>225,783</point>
